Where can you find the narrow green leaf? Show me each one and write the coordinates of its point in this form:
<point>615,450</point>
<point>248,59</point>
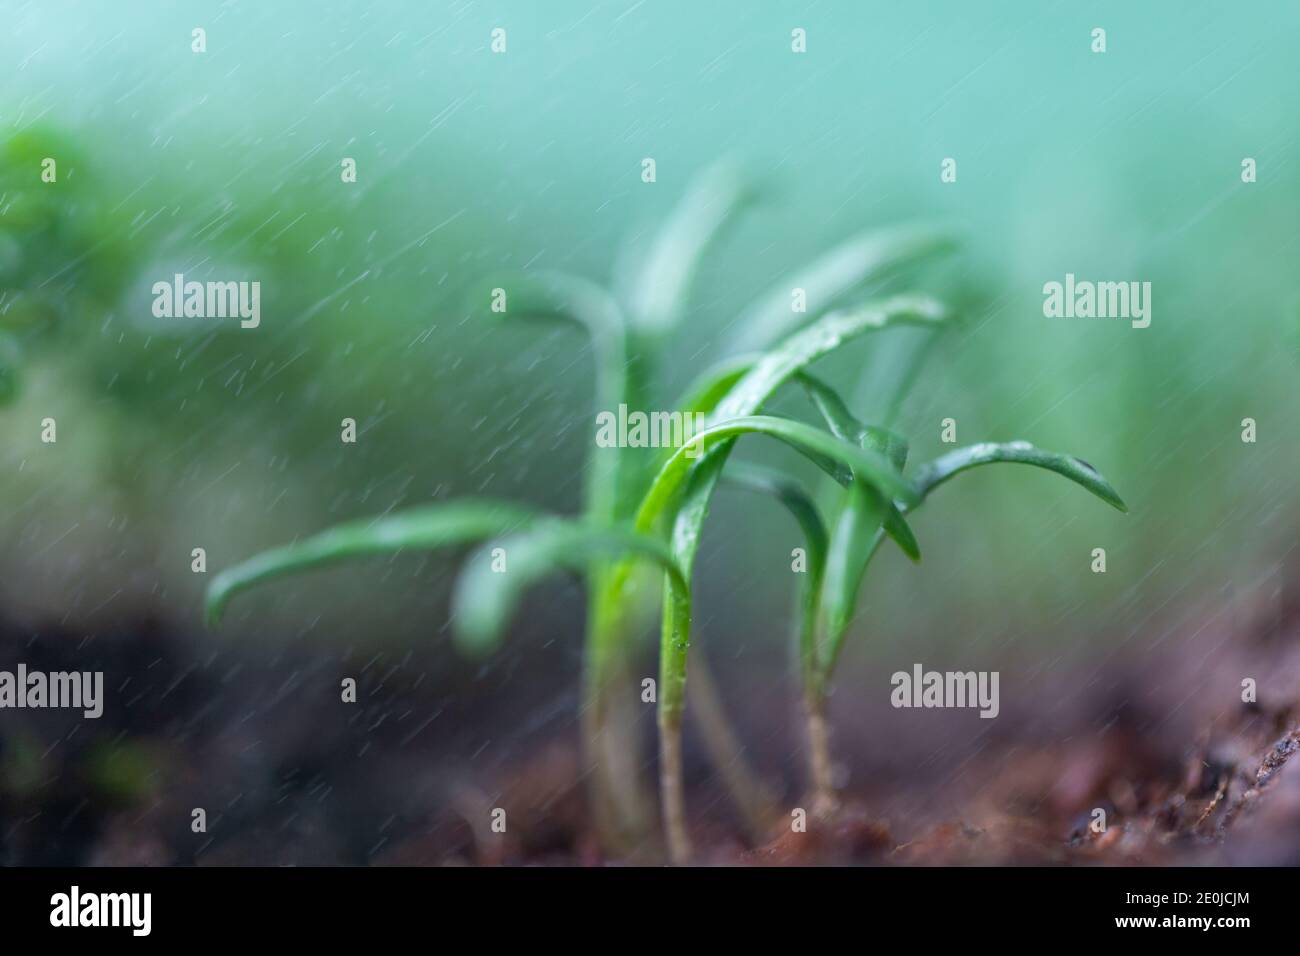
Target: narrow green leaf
<point>745,398</point>
<point>550,294</point>
<point>834,276</point>
<point>1080,472</point>
<point>931,475</point>
<point>740,385</point>
<point>830,405</point>
<point>853,541</point>
<point>486,596</point>
<point>864,519</point>
<point>900,531</point>
<point>823,449</point>
<point>851,548</point>
<point>713,384</point>
<point>819,339</point>
<point>660,289</point>
<point>893,446</point>
<point>547,293</point>
<point>431,526</point>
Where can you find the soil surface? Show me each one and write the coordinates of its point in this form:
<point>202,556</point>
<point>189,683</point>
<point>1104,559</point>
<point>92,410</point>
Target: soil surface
<point>255,737</point>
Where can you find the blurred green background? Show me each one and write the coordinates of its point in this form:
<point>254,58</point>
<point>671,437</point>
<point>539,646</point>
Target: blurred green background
<point>174,435</point>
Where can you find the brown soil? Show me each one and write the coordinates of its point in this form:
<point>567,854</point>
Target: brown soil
<point>1188,775</point>
<point>1212,780</point>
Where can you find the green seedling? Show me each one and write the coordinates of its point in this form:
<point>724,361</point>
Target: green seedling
<point>865,519</point>
<point>624,331</point>
<point>875,501</point>
<point>682,505</point>
<point>628,506</point>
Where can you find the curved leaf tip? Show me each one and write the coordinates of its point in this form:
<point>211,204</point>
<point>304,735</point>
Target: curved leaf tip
<point>1021,452</point>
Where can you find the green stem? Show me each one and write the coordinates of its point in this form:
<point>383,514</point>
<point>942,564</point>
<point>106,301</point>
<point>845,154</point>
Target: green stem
<point>674,648</point>
<point>617,787</point>
<point>619,793</point>
<point>672,791</point>
<point>824,800</point>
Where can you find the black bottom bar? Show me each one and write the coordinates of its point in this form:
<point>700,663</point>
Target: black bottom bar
<point>334,906</point>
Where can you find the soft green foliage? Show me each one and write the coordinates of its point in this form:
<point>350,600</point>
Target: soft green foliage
<point>9,374</point>
<point>486,596</point>
<point>823,449</point>
<point>894,447</point>
<point>836,276</point>
<point>863,538</point>
<point>667,508</point>
<point>759,382</point>
<point>740,403</point>
<point>558,295</point>
<point>874,503</point>
<point>659,289</point>
<point>1080,472</point>
<point>819,339</point>
<point>859,533</point>
<point>56,263</point>
<point>625,332</point>
<point>870,511</point>
<point>712,385</point>
<point>425,528</point>
<point>826,451</point>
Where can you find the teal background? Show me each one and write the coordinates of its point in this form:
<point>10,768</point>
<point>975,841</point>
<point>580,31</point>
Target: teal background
<point>1118,166</point>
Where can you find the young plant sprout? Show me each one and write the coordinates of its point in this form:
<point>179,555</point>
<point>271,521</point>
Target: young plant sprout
<point>628,508</point>
<point>875,499</point>
<point>864,520</point>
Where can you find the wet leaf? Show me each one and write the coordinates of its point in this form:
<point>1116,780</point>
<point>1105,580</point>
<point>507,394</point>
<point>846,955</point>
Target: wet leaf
<point>658,292</point>
<point>830,279</point>
<point>1080,472</point>
<point>424,528</point>
<point>486,597</point>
